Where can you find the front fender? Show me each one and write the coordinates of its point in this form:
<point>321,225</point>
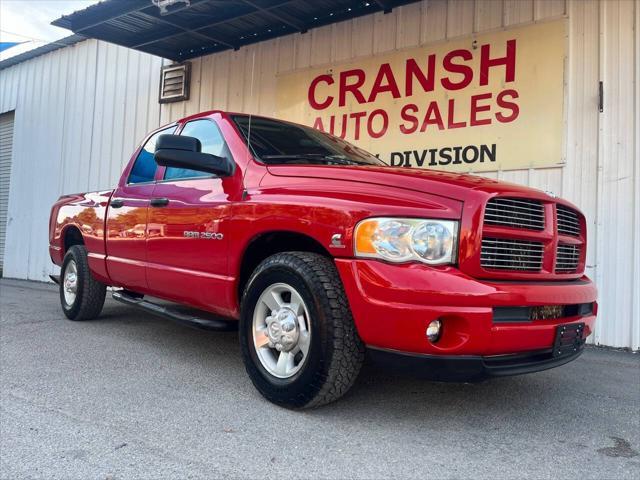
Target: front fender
<point>322,208</point>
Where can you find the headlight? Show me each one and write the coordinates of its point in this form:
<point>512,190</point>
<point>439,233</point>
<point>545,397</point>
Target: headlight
<point>407,239</point>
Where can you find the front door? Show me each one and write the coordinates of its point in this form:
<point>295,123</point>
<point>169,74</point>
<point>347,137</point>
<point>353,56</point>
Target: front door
<point>187,241</point>
<point>127,220</point>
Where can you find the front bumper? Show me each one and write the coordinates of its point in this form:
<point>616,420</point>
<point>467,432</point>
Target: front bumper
<point>468,368</point>
<point>392,306</point>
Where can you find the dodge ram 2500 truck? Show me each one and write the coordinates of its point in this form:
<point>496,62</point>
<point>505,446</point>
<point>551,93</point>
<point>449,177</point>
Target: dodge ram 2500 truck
<point>318,252</point>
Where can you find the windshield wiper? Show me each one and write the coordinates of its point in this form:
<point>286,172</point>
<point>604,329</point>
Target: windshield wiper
<point>317,157</point>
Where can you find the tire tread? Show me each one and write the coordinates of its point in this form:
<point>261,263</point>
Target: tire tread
<point>92,294</point>
<point>347,350</point>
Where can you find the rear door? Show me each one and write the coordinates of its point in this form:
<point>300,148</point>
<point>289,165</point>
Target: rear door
<point>187,241</point>
<point>6,149</point>
<point>127,219</point>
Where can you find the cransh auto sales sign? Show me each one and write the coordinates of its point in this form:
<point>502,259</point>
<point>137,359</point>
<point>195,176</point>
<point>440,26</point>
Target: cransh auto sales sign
<point>487,102</point>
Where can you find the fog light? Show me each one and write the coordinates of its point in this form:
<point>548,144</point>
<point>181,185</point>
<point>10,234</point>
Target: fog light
<point>433,331</point>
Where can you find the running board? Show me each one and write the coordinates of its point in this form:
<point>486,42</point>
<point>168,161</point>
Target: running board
<point>188,320</point>
<point>55,278</point>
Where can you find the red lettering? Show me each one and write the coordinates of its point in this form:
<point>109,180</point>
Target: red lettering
<point>354,88</point>
<point>476,108</point>
<point>311,94</point>
<point>413,70</point>
<point>384,82</point>
<point>409,117</point>
<point>515,109</point>
<point>385,123</point>
<point>509,61</point>
<point>357,116</point>
<point>318,124</point>
<point>451,123</point>
<point>332,122</point>
<point>432,117</point>
<point>465,70</point>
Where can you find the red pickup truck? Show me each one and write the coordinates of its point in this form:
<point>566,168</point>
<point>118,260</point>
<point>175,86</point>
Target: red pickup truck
<point>318,253</point>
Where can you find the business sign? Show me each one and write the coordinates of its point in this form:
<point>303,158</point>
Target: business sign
<point>486,102</point>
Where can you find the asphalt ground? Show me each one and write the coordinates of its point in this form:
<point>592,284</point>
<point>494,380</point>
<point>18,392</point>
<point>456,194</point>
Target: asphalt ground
<point>135,396</point>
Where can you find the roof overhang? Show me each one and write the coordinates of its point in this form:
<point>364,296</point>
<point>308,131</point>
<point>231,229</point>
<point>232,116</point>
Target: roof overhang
<point>36,52</point>
<point>194,28</point>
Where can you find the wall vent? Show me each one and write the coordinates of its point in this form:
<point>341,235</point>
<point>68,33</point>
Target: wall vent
<point>174,83</point>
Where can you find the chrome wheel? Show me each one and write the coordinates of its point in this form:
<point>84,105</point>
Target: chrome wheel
<point>70,283</point>
<point>281,330</point>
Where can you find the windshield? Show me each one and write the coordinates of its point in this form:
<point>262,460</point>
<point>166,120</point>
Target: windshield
<point>274,142</point>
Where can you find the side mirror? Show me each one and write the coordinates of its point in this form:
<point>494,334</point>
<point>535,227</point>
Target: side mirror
<point>179,151</point>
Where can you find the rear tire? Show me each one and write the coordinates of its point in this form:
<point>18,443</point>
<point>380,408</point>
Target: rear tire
<point>323,352</point>
<point>81,295</point>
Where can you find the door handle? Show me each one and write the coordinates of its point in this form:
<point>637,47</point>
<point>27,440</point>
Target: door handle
<point>116,203</point>
<point>159,202</point>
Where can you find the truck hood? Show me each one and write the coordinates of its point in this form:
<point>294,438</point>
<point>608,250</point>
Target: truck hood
<point>444,184</point>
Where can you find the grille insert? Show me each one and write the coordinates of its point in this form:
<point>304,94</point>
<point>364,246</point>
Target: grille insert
<point>567,258</point>
<point>507,254</point>
<point>515,213</point>
<point>568,221</point>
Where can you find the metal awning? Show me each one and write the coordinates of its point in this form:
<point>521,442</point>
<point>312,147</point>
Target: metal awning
<point>188,29</point>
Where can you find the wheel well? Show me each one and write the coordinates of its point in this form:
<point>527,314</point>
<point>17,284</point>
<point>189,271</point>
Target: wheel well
<point>271,243</point>
<point>72,236</point>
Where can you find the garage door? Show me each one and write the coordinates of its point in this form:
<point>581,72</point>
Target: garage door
<point>6,146</point>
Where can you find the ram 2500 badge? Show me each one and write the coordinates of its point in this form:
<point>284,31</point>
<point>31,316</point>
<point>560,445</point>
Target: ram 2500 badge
<point>319,253</point>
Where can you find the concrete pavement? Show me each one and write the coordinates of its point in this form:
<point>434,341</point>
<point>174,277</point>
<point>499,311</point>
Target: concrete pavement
<point>135,396</point>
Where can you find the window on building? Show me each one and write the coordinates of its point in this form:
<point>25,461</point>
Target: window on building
<point>212,142</point>
<point>144,168</point>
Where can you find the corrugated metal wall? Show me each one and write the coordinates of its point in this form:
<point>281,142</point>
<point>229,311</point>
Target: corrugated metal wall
<point>79,113</point>
<point>89,104</point>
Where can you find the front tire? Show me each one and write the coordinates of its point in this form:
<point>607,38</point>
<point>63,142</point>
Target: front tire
<point>299,343</point>
<point>81,295</point>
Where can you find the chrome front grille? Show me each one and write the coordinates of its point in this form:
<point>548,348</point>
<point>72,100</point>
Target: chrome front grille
<point>567,258</point>
<point>529,220</point>
<point>568,221</point>
<point>515,213</point>
<point>507,254</point>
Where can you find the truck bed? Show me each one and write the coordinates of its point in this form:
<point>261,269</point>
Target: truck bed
<point>83,213</point>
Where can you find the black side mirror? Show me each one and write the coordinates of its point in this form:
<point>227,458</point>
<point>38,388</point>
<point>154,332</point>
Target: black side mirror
<point>179,151</point>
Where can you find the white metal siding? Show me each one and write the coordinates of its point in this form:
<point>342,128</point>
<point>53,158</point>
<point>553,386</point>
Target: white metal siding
<point>81,110</point>
<point>79,113</point>
<point>6,146</point>
<point>618,232</point>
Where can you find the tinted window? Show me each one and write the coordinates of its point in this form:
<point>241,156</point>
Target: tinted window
<point>144,168</point>
<point>275,142</point>
<point>212,142</point>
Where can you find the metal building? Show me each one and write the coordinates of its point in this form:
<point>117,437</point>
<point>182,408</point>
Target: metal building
<point>73,112</point>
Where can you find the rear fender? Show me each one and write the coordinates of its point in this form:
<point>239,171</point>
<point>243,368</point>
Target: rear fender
<point>85,212</point>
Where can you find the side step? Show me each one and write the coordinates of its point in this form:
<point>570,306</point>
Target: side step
<point>211,324</point>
